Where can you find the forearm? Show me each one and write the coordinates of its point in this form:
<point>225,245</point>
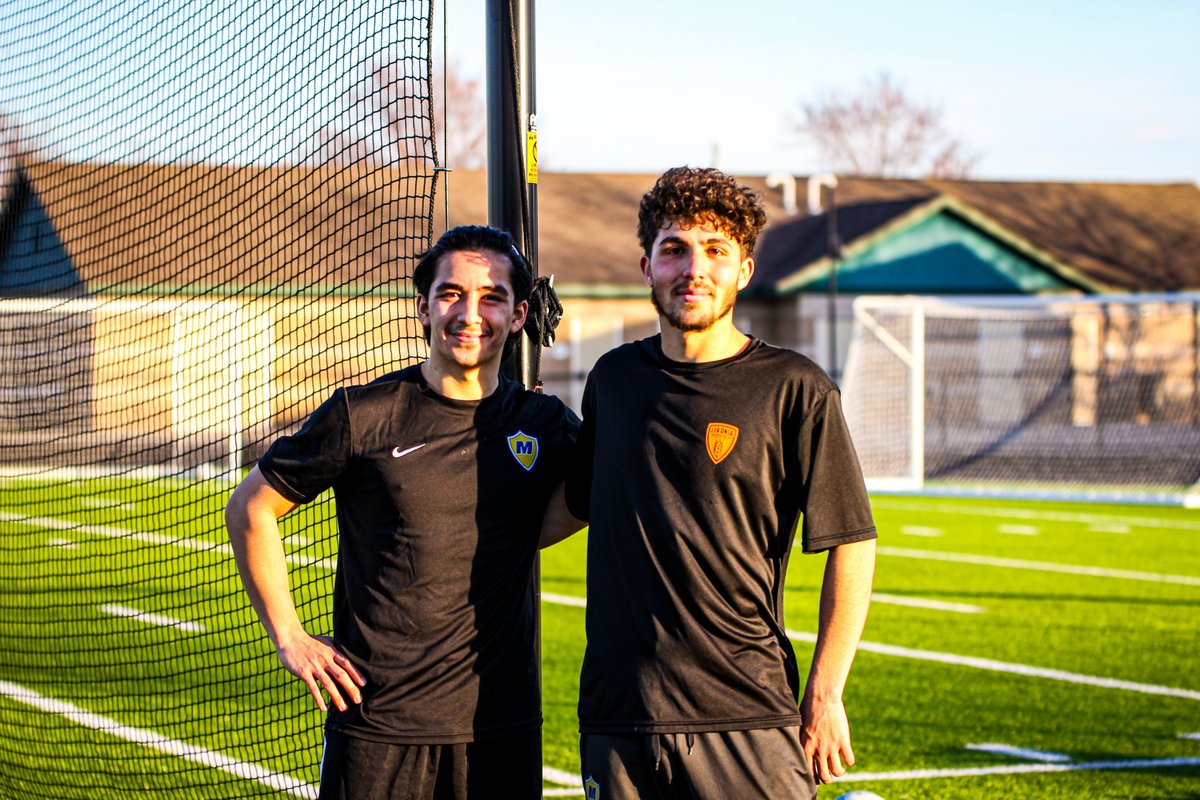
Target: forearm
<point>845,599</point>
<point>258,551</point>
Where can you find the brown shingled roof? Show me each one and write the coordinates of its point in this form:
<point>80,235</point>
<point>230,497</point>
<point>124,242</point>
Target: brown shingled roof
<point>261,228</point>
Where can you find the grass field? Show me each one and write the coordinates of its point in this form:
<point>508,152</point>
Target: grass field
<point>1014,649</point>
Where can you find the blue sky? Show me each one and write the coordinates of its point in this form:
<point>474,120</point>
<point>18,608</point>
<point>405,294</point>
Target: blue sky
<point>1048,90</point>
<point>1056,89</point>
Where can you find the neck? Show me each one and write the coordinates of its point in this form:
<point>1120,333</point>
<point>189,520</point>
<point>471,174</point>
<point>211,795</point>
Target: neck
<point>458,383</point>
<point>720,341</point>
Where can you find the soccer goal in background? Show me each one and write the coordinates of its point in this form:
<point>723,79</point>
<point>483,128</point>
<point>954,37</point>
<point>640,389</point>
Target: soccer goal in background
<point>1056,397</point>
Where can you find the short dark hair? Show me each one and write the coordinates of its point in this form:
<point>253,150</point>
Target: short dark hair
<point>477,237</point>
<point>689,195</point>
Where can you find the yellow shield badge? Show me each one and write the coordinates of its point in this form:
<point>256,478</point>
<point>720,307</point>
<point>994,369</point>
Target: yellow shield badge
<point>591,789</point>
<point>719,440</point>
<point>524,449</point>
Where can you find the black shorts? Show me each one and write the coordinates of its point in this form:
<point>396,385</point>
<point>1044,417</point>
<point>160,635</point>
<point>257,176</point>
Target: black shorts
<point>355,769</point>
<point>696,766</point>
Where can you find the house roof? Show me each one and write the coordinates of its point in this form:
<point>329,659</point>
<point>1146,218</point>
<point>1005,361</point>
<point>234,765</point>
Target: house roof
<point>262,228</point>
<point>794,254</point>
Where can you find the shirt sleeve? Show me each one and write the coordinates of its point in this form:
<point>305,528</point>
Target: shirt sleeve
<point>579,471</point>
<point>306,463</point>
<point>836,509</point>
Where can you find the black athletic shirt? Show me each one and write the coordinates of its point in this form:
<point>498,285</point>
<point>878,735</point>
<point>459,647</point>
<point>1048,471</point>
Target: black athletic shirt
<point>439,508</point>
<point>701,474</point>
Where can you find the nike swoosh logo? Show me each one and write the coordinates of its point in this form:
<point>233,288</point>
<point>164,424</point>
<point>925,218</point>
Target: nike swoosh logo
<point>397,452</point>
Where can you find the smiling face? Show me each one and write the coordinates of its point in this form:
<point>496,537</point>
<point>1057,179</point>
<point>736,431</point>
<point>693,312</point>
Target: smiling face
<point>694,274</point>
<point>469,311</point>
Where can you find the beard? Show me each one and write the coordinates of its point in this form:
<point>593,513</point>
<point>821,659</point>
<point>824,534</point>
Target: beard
<point>693,318</point>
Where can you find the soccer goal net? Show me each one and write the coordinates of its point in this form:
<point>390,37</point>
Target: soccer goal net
<point>1037,396</point>
<point>209,215</point>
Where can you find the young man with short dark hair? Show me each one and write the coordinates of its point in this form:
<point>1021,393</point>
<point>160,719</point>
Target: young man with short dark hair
<point>701,450</point>
<point>442,474</point>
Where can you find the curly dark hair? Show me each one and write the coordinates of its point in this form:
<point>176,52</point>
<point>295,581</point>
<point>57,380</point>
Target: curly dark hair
<point>688,195</point>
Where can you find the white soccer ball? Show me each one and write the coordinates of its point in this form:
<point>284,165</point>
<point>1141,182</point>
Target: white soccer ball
<point>859,794</point>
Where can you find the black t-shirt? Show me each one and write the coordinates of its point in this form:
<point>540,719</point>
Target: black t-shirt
<point>439,508</point>
<point>700,476</point>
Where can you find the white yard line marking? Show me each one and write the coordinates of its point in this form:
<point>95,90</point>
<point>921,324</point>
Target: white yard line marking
<point>969,661</point>
<point>1026,753</point>
<point>1010,668</point>
<point>564,599</point>
<point>1018,769</point>
<point>921,530</point>
<point>561,777</point>
<point>152,619</point>
<point>1108,528</point>
<point>1040,566</point>
<point>163,744</point>
<point>1019,530</point>
<point>66,544</point>
<point>1193,736</point>
<point>144,537</point>
<point>920,602</point>
<point>1038,514</point>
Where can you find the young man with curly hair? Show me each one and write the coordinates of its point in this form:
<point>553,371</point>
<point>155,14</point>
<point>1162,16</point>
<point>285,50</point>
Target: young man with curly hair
<point>443,472</point>
<point>702,449</point>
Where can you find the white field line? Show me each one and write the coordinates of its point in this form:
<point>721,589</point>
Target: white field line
<point>1113,528</point>
<point>970,661</point>
<point>561,777</point>
<point>1018,769</point>
<point>564,599</point>
<point>1038,515</point>
<point>1019,530</point>
<point>156,741</point>
<point>1025,753</point>
<point>152,619</point>
<point>919,602</point>
<point>921,530</point>
<point>161,540</point>
<point>1038,566</point>
<point>1193,736</point>
<point>1010,668</point>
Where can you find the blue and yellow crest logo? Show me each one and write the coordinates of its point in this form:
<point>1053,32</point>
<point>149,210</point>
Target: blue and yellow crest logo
<point>591,789</point>
<point>524,449</point>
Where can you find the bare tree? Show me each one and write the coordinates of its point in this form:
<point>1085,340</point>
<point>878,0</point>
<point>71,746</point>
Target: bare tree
<point>881,132</point>
<point>388,118</point>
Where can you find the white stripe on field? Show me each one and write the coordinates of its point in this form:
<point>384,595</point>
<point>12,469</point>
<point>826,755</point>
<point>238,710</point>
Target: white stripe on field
<point>1038,515</point>
<point>1108,528</point>
<point>156,741</point>
<point>564,599</point>
<point>1019,530</point>
<point>1017,769</point>
<point>921,530</point>
<point>969,661</point>
<point>1026,753</point>
<point>159,539</point>
<point>1193,736</point>
<point>920,602</point>
<point>152,619</point>
<point>1039,566</point>
<point>1025,670</point>
<point>561,777</point>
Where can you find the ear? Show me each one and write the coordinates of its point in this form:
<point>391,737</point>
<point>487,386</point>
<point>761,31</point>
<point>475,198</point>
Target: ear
<point>645,265</point>
<point>745,273</point>
<point>422,309</point>
<point>520,311</point>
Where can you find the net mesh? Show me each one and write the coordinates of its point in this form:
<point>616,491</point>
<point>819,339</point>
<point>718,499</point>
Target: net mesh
<point>1096,396</point>
<point>209,213</point>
